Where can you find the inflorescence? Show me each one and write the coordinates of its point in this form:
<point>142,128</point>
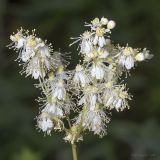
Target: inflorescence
<point>90,91</point>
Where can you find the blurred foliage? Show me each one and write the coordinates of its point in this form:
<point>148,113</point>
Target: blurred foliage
<point>133,134</point>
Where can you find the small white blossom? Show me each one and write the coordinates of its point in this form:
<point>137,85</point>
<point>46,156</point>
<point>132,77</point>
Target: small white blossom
<point>53,109</point>
<point>127,58</point>
<point>33,68</point>
<point>103,53</point>
<point>45,123</point>
<point>80,76</point>
<point>60,91</point>
<point>99,37</point>
<point>116,97</point>
<point>90,97</point>
<point>18,39</point>
<point>96,121</point>
<point>98,70</point>
<point>86,42</point>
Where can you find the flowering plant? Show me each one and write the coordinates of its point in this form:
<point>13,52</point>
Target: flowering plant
<point>90,91</point>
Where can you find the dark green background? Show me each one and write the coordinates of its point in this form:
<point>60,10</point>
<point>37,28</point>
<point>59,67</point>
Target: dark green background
<point>133,134</point>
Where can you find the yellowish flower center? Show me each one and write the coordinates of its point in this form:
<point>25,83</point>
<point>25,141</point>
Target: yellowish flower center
<point>128,51</point>
<point>100,31</point>
<point>31,42</point>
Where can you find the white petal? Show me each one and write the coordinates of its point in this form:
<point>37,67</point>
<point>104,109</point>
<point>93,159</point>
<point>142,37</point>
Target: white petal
<point>44,51</point>
<point>20,43</point>
<point>122,60</point>
<point>87,47</point>
<point>101,41</point>
<point>95,41</point>
<point>25,57</point>
<point>110,101</point>
<point>12,38</point>
<point>129,63</point>
<point>93,100</point>
<point>45,124</point>
<point>36,73</point>
<point>119,104</point>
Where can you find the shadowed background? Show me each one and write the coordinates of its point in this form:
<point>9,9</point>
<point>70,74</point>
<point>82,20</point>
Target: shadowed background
<point>132,134</point>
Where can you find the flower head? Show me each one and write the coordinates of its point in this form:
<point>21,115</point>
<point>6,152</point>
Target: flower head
<point>91,90</point>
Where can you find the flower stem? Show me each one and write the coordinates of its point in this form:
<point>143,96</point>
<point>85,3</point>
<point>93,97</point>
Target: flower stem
<point>74,151</point>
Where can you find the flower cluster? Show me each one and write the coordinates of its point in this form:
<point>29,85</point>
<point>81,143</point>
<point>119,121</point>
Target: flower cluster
<point>98,75</point>
<point>37,57</point>
<point>90,91</point>
<point>41,62</point>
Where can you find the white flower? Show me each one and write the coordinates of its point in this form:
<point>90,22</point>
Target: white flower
<point>90,97</point>
<point>26,54</point>
<point>36,65</point>
<point>97,71</point>
<point>108,97</point>
<point>18,39</point>
<point>127,59</point>
<point>118,104</point>
<point>99,37</point>
<point>100,40</point>
<point>29,48</point>
<point>102,53</point>
<point>61,74</point>
<point>116,97</point>
<point>86,42</point>
<point>36,73</point>
<point>80,77</point>
<point>43,50</point>
<point>59,91</point>
<point>92,100</point>
<point>45,123</point>
<point>53,109</point>
<point>96,122</point>
<point>33,68</point>
<point>20,43</point>
<point>129,62</point>
<point>35,47</point>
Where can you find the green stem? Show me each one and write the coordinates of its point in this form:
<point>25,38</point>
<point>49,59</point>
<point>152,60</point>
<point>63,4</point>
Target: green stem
<point>44,91</point>
<point>74,151</point>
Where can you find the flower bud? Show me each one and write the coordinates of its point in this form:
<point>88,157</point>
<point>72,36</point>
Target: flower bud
<point>111,24</point>
<point>104,21</point>
<point>140,57</point>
